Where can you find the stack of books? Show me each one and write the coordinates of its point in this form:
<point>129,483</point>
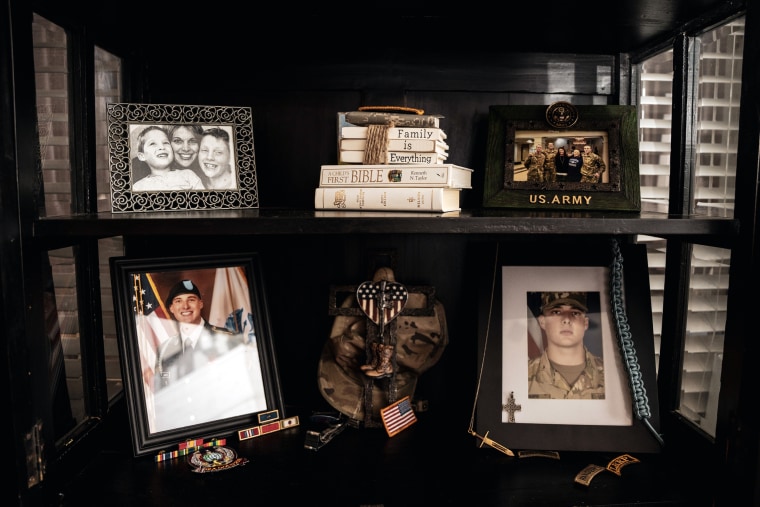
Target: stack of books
<point>407,173</point>
<point>413,138</point>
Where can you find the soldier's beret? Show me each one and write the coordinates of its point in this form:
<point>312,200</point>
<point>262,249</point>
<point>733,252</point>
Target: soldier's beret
<point>182,287</point>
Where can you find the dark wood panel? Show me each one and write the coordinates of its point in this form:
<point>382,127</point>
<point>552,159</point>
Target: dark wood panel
<point>610,27</point>
<point>441,69</point>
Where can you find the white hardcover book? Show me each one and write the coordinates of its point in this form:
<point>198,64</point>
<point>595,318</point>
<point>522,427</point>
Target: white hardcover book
<point>397,157</point>
<point>428,199</point>
<point>428,145</point>
<point>429,133</point>
<point>365,175</point>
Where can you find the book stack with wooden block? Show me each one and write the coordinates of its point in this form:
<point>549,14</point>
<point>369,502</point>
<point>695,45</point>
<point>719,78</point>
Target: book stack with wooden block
<point>391,161</point>
<point>382,137</point>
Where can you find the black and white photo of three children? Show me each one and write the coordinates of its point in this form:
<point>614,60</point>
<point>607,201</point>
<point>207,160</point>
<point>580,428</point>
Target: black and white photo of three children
<point>181,157</point>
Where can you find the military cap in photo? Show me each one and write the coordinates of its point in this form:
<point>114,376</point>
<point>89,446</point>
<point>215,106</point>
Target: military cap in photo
<point>554,299</point>
<point>182,287</point>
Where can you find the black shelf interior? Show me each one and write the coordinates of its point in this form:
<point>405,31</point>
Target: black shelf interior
<point>284,221</point>
<point>433,462</point>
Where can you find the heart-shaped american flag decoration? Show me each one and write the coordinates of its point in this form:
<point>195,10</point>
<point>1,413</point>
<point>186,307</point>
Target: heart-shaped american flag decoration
<point>382,301</point>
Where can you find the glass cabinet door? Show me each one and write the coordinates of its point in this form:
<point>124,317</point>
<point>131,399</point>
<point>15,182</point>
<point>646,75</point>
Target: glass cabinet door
<point>718,57</point>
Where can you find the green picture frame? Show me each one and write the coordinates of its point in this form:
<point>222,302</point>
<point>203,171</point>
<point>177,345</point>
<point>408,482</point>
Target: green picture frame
<point>612,130</point>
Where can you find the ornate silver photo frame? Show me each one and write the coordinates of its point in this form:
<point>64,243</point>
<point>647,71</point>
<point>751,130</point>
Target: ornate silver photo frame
<point>166,157</point>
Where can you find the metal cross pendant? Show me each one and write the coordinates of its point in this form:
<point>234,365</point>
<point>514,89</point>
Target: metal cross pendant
<point>511,407</point>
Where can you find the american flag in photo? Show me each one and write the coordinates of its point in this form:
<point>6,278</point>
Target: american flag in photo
<point>372,296</point>
<point>398,416</point>
<point>154,325</point>
<point>146,299</point>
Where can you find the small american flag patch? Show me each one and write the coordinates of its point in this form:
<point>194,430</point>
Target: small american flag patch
<point>398,416</point>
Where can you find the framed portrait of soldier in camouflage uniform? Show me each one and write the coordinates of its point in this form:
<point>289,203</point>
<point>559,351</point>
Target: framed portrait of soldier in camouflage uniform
<point>197,356</point>
<point>584,159</point>
<point>570,361</point>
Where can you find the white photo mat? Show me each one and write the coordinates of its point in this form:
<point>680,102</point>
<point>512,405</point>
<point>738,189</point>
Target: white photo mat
<point>517,281</point>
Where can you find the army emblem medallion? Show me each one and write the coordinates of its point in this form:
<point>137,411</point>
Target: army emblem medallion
<point>561,115</point>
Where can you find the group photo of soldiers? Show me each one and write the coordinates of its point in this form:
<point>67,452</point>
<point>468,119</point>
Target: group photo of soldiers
<point>545,158</point>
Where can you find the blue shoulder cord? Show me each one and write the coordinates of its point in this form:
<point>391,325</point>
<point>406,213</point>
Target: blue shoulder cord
<point>628,351</point>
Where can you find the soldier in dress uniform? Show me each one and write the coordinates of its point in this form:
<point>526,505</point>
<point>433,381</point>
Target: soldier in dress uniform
<point>197,343</point>
<point>535,165</point>
<point>593,166</point>
<point>550,167</point>
<point>203,373</point>
<point>566,369</point>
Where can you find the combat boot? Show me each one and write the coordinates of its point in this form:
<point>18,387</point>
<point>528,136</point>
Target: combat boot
<point>384,367</point>
<point>375,359</point>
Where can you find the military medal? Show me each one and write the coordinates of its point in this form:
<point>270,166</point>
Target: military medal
<point>215,459</point>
